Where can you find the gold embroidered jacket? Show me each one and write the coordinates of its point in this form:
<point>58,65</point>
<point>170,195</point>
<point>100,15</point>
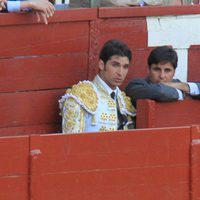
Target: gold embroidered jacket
<point>87,107</point>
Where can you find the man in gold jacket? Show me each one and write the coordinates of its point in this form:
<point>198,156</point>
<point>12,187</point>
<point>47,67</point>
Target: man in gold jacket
<point>100,105</point>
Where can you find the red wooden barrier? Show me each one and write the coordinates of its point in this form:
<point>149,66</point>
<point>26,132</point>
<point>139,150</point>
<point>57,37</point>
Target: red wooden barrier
<point>38,62</point>
<point>152,114</point>
<point>193,55</point>
<point>14,168</point>
<point>140,164</point>
<point>195,163</point>
<point>26,109</point>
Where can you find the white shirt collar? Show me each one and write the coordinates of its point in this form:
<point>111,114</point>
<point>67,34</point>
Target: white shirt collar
<point>107,88</point>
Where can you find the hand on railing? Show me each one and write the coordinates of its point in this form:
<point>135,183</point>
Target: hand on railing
<point>2,4</point>
<point>42,8</point>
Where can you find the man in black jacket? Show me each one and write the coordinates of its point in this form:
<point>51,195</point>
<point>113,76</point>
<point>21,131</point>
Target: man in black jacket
<point>159,85</point>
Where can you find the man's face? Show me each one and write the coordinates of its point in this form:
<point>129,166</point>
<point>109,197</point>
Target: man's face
<point>114,71</point>
<point>161,73</point>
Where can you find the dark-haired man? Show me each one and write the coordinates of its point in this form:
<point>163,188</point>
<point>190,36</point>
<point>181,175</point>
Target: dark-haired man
<point>159,85</point>
<point>100,105</point>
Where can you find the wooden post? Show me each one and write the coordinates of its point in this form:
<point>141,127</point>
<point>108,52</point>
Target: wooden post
<point>195,163</point>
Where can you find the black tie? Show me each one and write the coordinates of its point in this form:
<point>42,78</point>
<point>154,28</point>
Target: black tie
<point>122,118</point>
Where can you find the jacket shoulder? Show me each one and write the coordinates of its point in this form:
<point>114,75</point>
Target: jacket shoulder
<point>85,94</point>
<point>127,100</point>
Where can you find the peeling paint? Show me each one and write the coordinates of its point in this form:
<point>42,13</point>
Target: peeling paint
<point>195,141</point>
<point>35,152</point>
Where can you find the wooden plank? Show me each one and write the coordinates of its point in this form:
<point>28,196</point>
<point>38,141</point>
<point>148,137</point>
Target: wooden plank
<point>193,67</point>
<point>133,31</point>
<point>14,170</point>
<point>44,40</point>
<point>138,67</point>
<point>30,108</point>
<point>45,72</point>
<point>14,187</point>
<point>195,163</point>
<point>115,165</point>
<point>113,185</point>
<point>137,11</point>
<point>159,114</point>
<point>145,114</point>
<point>76,14</point>
<point>31,129</point>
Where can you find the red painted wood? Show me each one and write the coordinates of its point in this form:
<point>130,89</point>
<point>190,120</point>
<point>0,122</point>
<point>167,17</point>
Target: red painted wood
<point>122,165</point>
<point>44,40</point>
<point>133,31</point>
<point>171,114</point>
<point>147,11</point>
<point>145,114</point>
<point>14,169</point>
<point>50,57</point>
<point>193,67</point>
<point>30,108</point>
<point>195,163</point>
<point>76,14</point>
<point>138,67</point>
<point>31,129</point>
<point>56,71</point>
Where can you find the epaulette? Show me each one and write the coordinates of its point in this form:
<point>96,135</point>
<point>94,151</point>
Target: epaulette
<point>130,108</point>
<point>85,94</point>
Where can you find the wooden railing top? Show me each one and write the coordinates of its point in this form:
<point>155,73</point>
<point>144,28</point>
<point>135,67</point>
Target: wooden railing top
<point>81,14</point>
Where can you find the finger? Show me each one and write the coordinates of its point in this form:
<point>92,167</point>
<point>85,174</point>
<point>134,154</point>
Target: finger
<point>50,12</point>
<point>50,9</point>
<point>38,16</point>
<point>44,17</point>
<point>2,5</point>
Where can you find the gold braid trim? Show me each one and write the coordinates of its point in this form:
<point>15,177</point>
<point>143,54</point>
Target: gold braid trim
<point>127,100</point>
<point>85,94</point>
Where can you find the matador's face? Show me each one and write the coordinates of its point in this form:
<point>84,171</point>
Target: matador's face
<point>114,71</point>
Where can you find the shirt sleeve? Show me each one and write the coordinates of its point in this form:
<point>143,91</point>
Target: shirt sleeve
<point>194,90</point>
<point>13,6</point>
<point>180,94</point>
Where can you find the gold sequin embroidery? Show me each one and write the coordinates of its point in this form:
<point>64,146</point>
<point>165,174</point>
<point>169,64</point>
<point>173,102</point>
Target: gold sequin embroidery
<point>128,103</point>
<point>86,94</point>
<point>112,117</point>
<point>104,116</point>
<point>111,104</point>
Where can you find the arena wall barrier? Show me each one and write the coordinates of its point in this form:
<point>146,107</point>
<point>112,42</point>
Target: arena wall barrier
<point>153,114</point>
<point>145,164</point>
<point>39,62</point>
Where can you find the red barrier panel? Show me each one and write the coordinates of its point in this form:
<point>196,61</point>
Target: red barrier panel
<point>38,65</point>
<point>144,164</point>
<point>195,163</point>
<point>152,114</point>
<point>140,164</point>
<point>29,108</point>
<point>42,61</point>
<point>14,168</point>
<point>193,55</point>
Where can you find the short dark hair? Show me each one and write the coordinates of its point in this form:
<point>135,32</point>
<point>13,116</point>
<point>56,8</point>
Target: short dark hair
<point>114,47</point>
<point>163,54</point>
